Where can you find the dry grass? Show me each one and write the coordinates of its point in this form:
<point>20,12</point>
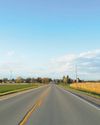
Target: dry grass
<point>90,87</point>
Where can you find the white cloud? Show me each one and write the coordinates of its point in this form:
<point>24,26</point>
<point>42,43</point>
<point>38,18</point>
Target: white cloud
<point>88,64</point>
<point>67,58</point>
<point>10,53</point>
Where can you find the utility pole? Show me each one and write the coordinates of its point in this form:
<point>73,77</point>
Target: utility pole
<point>76,73</point>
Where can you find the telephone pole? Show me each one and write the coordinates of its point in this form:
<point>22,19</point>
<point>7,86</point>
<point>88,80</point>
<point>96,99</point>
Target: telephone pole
<point>76,73</point>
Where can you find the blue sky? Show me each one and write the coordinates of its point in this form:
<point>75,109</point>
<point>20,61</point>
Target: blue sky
<point>35,34</point>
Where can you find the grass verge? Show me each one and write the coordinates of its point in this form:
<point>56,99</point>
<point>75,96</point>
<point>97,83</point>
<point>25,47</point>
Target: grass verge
<point>67,87</point>
<point>9,89</point>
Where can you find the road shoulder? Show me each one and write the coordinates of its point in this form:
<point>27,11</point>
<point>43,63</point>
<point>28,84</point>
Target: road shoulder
<point>90,99</point>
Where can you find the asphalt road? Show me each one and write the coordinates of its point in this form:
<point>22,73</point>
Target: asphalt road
<point>56,107</point>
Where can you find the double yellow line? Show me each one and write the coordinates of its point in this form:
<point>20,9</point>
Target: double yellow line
<point>35,106</point>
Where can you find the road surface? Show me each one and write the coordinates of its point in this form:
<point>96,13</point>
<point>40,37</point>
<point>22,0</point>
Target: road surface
<point>48,105</point>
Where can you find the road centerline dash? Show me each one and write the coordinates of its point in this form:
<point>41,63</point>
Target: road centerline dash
<point>37,104</point>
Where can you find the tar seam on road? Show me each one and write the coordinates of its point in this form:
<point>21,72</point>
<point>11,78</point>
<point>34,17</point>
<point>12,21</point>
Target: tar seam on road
<point>81,99</point>
<point>35,106</point>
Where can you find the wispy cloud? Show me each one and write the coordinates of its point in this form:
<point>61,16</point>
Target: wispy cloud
<point>88,64</point>
<point>10,53</point>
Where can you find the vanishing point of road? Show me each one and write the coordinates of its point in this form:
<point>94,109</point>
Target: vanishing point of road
<point>48,105</point>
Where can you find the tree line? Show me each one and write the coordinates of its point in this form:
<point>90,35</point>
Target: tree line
<point>67,80</point>
<point>26,80</point>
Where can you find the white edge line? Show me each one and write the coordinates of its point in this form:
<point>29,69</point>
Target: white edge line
<point>80,99</point>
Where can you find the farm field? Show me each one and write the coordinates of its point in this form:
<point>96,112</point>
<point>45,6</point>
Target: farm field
<point>89,87</point>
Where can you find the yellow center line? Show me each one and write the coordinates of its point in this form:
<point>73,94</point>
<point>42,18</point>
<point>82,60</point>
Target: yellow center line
<point>35,106</point>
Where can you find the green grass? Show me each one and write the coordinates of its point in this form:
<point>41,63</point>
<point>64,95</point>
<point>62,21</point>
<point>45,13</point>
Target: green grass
<point>7,89</point>
<point>80,91</point>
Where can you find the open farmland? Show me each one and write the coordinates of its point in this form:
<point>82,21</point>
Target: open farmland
<point>6,89</point>
<point>89,87</point>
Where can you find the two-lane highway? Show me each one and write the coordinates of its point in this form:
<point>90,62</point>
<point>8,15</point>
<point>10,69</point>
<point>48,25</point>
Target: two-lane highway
<point>57,107</point>
<point>12,110</point>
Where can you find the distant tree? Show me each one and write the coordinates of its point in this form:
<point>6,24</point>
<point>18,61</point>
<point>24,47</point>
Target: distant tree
<point>5,80</point>
<point>39,80</point>
<point>78,80</point>
<point>33,80</point>
<point>19,80</point>
<point>67,80</point>
<point>13,80</point>
<point>0,80</point>
<point>46,80</point>
<point>58,81</point>
<point>28,80</point>
<point>64,80</point>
